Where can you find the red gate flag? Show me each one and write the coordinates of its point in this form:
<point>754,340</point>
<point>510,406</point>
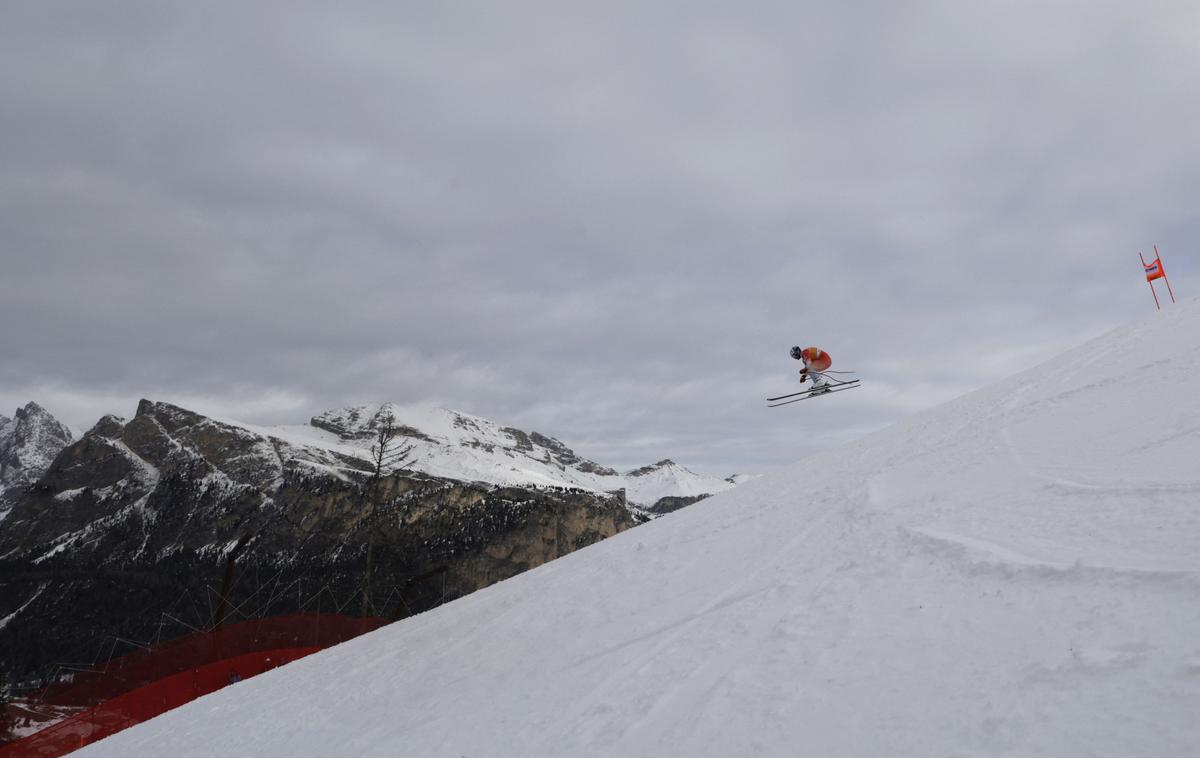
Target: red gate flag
<point>1154,270</point>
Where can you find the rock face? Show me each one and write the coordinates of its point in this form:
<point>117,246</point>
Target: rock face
<point>172,513</point>
<point>651,469</point>
<point>28,443</point>
<point>670,504</point>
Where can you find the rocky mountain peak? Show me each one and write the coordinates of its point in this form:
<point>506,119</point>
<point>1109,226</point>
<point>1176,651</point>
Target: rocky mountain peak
<point>644,470</point>
<point>29,442</point>
<point>567,457</point>
<point>347,423</point>
<point>110,426</point>
<point>172,417</point>
<point>360,422</point>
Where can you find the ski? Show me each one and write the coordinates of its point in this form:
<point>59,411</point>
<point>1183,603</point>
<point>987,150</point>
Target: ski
<point>806,395</point>
<point>834,383</point>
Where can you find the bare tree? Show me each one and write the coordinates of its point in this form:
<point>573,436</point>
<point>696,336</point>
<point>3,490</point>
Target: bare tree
<point>386,457</point>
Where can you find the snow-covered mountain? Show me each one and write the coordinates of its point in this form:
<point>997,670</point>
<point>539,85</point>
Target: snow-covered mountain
<point>140,514</point>
<point>456,445</point>
<point>1013,573</point>
<point>28,443</point>
<point>666,486</point>
<point>173,493</point>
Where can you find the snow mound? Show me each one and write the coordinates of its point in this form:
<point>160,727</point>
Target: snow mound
<point>1013,573</point>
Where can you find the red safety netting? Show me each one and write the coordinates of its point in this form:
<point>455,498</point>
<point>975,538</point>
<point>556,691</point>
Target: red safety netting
<point>145,703</point>
<point>141,685</point>
<point>128,672</point>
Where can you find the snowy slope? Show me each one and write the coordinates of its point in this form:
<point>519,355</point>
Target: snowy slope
<point>1016,572</point>
<point>459,446</point>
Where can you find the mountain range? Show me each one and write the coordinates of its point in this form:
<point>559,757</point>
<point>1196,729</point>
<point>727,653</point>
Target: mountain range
<point>175,515</point>
<point>459,446</point>
<point>439,441</point>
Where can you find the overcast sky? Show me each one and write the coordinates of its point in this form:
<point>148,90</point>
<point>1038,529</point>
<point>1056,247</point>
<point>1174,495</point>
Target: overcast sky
<point>607,222</point>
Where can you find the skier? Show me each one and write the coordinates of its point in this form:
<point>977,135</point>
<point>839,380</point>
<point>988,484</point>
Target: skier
<point>816,367</point>
<point>815,361</point>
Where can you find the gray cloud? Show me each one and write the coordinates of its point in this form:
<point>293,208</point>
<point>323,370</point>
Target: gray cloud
<point>607,221</point>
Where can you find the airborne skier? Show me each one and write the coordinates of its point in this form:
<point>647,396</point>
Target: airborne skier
<point>816,362</point>
<point>816,366</point>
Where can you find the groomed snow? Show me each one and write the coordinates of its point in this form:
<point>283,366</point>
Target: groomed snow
<point>1015,573</point>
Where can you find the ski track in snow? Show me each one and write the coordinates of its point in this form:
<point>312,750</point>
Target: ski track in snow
<point>1014,573</point>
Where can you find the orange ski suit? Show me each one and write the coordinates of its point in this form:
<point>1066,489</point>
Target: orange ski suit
<point>815,359</point>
